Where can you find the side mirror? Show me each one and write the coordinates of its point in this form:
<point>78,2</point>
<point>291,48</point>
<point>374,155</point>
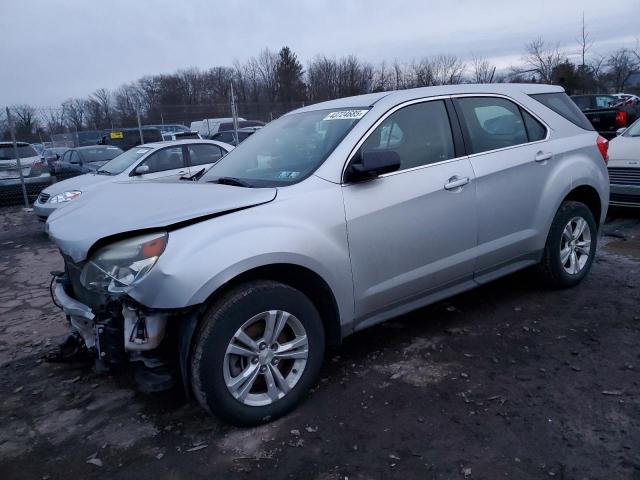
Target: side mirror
<point>374,163</point>
<point>57,156</point>
<point>620,131</point>
<point>141,170</point>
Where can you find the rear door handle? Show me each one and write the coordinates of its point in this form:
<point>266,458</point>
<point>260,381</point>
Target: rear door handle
<point>456,182</point>
<point>543,156</point>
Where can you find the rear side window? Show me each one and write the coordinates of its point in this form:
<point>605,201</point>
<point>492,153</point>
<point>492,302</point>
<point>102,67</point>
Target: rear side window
<point>24,151</point>
<point>535,130</point>
<point>565,107</point>
<point>420,134</point>
<point>492,123</point>
<point>203,154</point>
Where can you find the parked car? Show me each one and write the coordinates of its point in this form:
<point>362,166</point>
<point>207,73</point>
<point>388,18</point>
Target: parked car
<point>126,138</point>
<point>228,136</point>
<point>210,126</point>
<point>35,173</point>
<point>76,161</point>
<point>624,167</point>
<point>297,239</point>
<point>51,155</point>
<point>151,161</point>
<point>606,113</point>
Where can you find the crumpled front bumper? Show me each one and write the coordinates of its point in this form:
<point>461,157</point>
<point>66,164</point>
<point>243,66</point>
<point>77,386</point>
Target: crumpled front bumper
<point>113,332</point>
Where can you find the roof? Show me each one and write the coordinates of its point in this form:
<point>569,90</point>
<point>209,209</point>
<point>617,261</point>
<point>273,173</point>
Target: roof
<point>368,100</point>
<point>9,144</point>
<point>89,147</point>
<point>185,141</point>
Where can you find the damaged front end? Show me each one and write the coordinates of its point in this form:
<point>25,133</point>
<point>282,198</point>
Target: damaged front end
<point>117,330</point>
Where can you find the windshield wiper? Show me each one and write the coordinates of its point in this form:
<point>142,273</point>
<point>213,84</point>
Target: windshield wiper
<point>236,182</point>
<point>103,172</point>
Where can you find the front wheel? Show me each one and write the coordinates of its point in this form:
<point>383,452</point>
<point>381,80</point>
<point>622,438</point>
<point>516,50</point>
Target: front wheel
<point>571,246</point>
<point>258,351</point>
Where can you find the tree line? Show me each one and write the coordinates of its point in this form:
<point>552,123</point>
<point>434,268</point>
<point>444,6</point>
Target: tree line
<point>272,83</point>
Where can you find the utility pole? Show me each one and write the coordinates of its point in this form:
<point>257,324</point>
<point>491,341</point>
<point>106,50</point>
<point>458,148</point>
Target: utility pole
<point>17,155</point>
<point>234,114</point>
<point>140,128</point>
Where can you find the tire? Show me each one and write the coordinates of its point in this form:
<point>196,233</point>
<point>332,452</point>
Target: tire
<point>249,308</point>
<point>554,270</point>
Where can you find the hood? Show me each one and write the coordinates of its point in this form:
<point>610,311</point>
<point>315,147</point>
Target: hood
<point>623,150</point>
<point>81,182</point>
<point>122,207</point>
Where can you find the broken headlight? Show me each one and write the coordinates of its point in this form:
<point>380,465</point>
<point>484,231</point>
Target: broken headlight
<point>116,267</point>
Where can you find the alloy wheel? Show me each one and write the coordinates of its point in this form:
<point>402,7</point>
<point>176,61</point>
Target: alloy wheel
<point>266,358</point>
<point>575,245</point>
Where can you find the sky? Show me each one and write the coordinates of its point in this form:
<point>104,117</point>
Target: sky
<point>52,50</point>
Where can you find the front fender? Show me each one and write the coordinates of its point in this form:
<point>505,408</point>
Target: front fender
<point>307,230</point>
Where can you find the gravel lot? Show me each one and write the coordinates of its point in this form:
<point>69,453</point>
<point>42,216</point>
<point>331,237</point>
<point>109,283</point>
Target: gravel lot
<point>508,381</point>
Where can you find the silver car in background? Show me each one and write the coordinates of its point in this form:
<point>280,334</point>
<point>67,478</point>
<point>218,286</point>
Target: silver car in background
<point>34,171</point>
<point>333,218</point>
<point>624,167</point>
<point>151,161</point>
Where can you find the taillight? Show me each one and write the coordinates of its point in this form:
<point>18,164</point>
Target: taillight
<point>603,146</point>
<point>621,119</point>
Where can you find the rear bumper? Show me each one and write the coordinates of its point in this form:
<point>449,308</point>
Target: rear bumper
<point>32,184</point>
<point>624,195</point>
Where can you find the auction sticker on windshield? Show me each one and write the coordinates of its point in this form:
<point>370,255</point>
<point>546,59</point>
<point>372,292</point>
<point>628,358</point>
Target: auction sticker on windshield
<point>346,115</point>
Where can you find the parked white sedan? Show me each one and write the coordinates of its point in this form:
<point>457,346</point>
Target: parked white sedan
<point>151,161</point>
<point>624,167</point>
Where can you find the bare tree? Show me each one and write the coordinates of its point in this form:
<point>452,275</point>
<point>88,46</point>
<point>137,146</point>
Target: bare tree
<point>621,64</point>
<point>447,70</point>
<point>585,42</point>
<point>73,113</point>
<point>483,71</point>
<point>267,63</point>
<point>25,121</point>
<point>102,97</point>
<point>541,59</point>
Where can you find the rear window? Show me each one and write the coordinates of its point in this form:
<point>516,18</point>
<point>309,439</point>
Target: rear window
<point>100,154</point>
<point>25,151</point>
<point>565,107</point>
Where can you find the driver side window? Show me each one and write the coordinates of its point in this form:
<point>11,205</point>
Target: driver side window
<point>420,134</point>
<point>165,159</point>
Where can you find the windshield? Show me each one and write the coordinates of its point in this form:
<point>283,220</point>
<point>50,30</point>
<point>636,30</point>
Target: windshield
<point>123,161</point>
<point>633,130</point>
<point>99,154</point>
<point>287,150</point>
<point>25,151</point>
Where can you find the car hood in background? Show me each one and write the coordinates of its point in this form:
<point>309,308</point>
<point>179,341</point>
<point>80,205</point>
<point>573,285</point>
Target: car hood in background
<point>81,182</point>
<point>624,149</point>
<point>122,207</point>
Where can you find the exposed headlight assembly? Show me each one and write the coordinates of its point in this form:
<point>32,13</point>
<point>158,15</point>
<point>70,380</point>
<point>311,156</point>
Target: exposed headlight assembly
<point>65,196</point>
<point>117,267</point>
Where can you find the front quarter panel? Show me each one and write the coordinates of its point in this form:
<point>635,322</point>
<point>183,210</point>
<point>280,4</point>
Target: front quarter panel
<point>304,225</point>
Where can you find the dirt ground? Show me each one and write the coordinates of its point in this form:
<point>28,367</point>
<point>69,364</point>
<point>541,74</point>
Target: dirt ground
<point>508,381</point>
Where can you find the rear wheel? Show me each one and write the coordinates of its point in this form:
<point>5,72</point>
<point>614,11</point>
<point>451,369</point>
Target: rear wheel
<point>571,246</point>
<point>258,351</point>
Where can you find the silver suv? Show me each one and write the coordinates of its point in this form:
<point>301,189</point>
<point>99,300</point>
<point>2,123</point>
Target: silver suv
<point>331,219</point>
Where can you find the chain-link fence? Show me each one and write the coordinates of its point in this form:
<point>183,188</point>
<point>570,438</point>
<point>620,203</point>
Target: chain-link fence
<point>29,166</point>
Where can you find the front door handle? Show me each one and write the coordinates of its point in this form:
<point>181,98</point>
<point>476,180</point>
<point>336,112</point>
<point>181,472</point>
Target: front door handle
<point>543,156</point>
<point>182,172</point>
<point>456,182</point>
